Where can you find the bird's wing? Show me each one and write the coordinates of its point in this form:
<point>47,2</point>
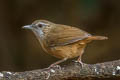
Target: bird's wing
<point>63,35</point>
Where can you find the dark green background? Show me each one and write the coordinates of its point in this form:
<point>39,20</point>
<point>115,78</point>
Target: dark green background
<point>20,50</point>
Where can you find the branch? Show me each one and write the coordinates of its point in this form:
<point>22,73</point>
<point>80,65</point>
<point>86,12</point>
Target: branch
<point>106,70</point>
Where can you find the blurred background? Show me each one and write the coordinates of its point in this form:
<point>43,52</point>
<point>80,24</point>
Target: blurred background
<point>21,51</point>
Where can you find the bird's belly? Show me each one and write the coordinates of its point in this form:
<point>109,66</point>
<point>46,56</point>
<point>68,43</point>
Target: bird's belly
<point>68,51</point>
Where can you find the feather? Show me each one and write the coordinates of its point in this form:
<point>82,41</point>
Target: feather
<point>63,35</point>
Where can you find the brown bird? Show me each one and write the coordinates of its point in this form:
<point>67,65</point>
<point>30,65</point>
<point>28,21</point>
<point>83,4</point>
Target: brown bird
<point>61,41</point>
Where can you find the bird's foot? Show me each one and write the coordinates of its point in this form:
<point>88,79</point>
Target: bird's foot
<point>81,63</point>
<point>50,69</point>
<point>54,67</point>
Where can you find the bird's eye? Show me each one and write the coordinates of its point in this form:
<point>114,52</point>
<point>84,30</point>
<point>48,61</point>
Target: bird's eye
<point>40,25</point>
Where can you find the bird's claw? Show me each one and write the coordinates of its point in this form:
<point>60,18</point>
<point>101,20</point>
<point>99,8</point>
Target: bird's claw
<point>50,69</point>
<point>79,62</point>
<point>55,66</point>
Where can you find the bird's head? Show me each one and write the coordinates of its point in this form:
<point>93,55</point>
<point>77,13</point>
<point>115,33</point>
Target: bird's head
<point>39,26</point>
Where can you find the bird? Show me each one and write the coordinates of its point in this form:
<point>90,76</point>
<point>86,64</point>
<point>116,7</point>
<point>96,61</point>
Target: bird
<point>62,41</point>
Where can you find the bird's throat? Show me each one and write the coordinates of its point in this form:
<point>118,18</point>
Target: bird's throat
<point>40,36</point>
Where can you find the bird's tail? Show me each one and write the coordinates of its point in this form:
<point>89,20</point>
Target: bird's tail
<point>98,38</point>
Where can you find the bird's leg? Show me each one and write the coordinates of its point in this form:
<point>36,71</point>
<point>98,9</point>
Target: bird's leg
<point>53,65</point>
<point>79,60</point>
<point>58,62</point>
<point>80,56</point>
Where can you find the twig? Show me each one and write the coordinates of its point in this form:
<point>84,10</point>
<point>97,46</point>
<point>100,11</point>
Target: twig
<point>73,71</point>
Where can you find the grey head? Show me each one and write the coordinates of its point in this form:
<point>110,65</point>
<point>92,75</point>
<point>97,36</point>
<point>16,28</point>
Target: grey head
<point>38,26</point>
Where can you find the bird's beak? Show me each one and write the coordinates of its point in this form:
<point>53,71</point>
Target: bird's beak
<point>27,27</point>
